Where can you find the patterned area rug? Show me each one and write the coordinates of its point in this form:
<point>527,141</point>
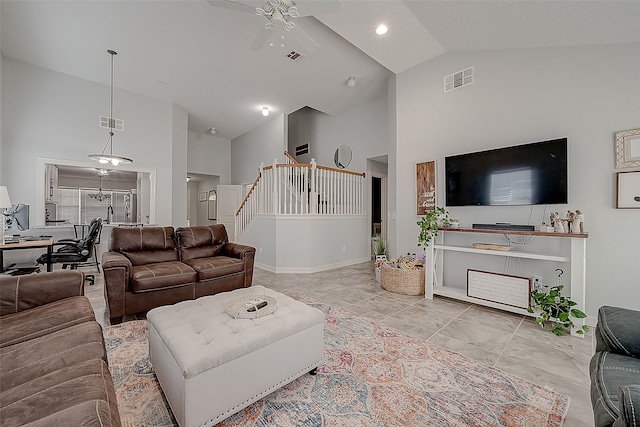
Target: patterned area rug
<point>373,376</point>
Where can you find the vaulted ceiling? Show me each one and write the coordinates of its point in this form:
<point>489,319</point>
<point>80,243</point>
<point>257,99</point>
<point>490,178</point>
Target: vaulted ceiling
<point>195,53</point>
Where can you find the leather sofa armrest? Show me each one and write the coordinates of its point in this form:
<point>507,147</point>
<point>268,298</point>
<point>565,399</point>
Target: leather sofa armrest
<point>245,253</point>
<point>116,269</point>
<point>618,331</point>
<point>19,293</point>
<point>236,250</point>
<point>629,403</point>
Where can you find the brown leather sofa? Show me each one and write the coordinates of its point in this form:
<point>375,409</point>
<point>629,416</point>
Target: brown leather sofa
<point>53,368</point>
<point>146,267</point>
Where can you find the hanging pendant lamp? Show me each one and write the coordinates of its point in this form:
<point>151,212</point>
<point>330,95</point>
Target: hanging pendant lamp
<point>107,155</point>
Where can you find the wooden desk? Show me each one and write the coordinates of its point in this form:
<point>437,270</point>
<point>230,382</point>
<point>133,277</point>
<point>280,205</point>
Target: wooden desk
<point>28,244</point>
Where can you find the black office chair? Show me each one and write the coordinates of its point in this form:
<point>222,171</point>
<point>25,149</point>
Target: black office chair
<point>76,253</point>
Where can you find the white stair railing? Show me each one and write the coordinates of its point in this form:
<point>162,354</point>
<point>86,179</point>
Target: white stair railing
<point>302,189</point>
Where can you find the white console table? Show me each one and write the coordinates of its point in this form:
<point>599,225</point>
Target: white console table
<point>576,258</point>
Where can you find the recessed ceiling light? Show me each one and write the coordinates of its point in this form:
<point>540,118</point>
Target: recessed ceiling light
<point>382,29</point>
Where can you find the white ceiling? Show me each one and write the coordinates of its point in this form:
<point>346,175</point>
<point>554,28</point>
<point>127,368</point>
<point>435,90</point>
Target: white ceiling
<point>196,55</point>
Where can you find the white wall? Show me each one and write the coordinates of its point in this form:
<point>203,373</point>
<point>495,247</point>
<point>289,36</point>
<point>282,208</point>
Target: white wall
<point>209,155</point>
<point>179,167</point>
<point>262,144</point>
<point>529,95</point>
<point>53,115</point>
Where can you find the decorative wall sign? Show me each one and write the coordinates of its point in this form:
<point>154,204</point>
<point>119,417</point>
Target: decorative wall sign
<point>628,190</point>
<point>628,149</point>
<point>426,187</point>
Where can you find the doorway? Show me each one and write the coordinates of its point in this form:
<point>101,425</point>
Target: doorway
<point>377,170</point>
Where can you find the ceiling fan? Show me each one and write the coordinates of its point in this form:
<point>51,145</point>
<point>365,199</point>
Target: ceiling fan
<point>280,13</point>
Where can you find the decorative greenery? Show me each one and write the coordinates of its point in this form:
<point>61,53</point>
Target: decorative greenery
<point>429,225</point>
<point>379,246</point>
<point>556,308</point>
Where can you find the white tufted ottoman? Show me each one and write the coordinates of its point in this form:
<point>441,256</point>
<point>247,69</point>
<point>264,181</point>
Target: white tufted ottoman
<point>210,365</point>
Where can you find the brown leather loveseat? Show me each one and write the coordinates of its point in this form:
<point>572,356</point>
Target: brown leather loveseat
<point>148,267</point>
<point>53,369</point>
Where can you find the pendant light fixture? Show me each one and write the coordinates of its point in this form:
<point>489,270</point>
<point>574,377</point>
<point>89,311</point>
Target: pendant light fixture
<point>107,155</point>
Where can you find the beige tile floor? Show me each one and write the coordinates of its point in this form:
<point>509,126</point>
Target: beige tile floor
<point>509,342</point>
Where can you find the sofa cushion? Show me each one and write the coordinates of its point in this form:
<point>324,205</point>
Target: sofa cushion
<point>28,360</point>
<point>219,266</point>
<point>609,372</point>
<point>162,275</point>
<point>63,390</point>
<point>144,245</point>
<point>618,331</point>
<point>629,398</point>
<point>201,241</point>
<point>45,319</point>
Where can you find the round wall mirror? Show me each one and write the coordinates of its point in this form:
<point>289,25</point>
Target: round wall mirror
<point>342,156</point>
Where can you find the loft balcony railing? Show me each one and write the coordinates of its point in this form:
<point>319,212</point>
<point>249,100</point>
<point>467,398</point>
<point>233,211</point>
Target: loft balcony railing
<point>301,189</point>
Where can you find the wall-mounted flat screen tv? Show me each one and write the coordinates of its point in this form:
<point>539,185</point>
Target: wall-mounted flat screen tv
<point>529,174</point>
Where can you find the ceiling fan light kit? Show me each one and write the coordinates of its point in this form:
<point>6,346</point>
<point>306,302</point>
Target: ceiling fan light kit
<point>107,156</point>
<point>279,14</point>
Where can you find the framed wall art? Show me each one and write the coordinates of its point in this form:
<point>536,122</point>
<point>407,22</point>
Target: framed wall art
<point>202,196</point>
<point>426,187</point>
<point>628,190</point>
<point>627,148</point>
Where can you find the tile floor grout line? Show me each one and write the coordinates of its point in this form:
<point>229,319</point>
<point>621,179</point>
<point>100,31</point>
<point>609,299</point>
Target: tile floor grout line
<point>508,342</point>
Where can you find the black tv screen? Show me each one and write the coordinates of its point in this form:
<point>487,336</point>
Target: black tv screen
<point>529,174</point>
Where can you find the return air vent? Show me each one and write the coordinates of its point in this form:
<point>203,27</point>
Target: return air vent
<point>293,55</point>
<point>458,79</point>
<point>118,124</point>
<point>303,149</point>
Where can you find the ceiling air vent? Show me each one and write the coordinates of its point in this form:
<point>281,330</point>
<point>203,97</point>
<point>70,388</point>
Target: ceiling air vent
<point>118,124</point>
<point>458,79</point>
<point>302,149</point>
<point>293,55</point>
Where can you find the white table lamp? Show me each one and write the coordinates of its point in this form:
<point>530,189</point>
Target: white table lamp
<point>5,202</point>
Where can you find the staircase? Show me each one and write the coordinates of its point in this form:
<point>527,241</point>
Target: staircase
<point>299,189</point>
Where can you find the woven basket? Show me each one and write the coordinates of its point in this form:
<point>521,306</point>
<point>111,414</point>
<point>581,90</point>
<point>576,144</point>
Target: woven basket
<point>398,280</point>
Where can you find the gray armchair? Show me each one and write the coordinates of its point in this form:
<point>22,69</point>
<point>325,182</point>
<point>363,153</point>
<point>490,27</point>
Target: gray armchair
<point>615,368</point>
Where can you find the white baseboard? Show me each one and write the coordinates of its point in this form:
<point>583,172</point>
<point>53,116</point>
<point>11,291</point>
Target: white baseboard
<point>309,270</point>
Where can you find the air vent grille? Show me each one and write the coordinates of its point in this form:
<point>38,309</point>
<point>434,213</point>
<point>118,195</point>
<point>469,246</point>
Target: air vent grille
<point>302,149</point>
<point>118,124</point>
<point>293,55</point>
<point>458,79</point>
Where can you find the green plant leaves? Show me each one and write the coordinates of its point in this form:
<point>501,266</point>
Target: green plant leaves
<point>556,308</point>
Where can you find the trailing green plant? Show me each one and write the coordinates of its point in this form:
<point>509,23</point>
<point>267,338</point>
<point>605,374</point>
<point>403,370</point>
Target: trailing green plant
<point>429,225</point>
<point>555,308</point>
<point>379,246</point>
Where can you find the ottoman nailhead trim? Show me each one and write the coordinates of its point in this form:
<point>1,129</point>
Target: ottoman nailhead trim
<point>236,408</point>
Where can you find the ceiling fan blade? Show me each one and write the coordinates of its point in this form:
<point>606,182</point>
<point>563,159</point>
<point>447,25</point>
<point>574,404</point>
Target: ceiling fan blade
<point>304,39</point>
<point>233,5</point>
<point>310,8</point>
<point>260,39</point>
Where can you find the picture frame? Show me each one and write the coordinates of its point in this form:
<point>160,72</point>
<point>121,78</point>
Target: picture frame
<point>627,145</point>
<point>202,196</point>
<point>628,190</point>
<point>426,187</point>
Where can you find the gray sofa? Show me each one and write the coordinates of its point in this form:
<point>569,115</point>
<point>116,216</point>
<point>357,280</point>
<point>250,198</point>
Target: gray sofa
<point>615,368</point>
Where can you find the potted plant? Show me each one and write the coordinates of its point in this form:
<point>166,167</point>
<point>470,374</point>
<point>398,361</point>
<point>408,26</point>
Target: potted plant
<point>379,250</point>
<point>555,308</point>
<point>429,225</point>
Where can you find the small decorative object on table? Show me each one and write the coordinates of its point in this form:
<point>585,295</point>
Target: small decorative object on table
<point>251,307</point>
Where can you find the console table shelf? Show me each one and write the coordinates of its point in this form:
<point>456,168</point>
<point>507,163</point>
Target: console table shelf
<point>576,258</point>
